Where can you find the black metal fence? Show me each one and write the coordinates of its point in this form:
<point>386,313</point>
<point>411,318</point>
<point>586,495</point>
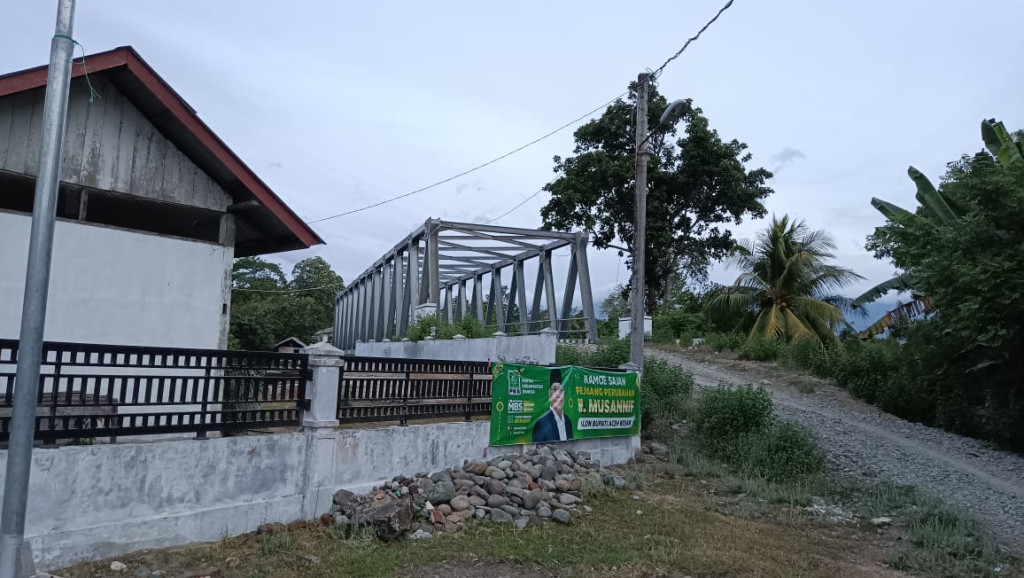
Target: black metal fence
<point>97,391</point>
<point>385,389</point>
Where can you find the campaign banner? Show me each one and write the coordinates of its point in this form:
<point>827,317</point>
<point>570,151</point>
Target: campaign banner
<point>536,404</point>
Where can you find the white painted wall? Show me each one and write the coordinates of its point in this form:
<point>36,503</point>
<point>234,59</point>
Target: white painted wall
<point>90,502</point>
<point>540,347</point>
<point>119,287</point>
<point>626,326</point>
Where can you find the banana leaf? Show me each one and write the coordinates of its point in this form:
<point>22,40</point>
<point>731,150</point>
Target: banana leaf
<point>898,283</point>
<point>935,206</point>
<point>1001,143</point>
<point>915,308</point>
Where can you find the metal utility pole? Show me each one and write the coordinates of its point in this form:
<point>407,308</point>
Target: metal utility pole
<point>636,334</point>
<point>13,550</point>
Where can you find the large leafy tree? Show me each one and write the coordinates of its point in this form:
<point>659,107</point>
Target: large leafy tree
<point>966,357</point>
<point>266,307</point>
<point>788,283</point>
<point>697,183</point>
<point>937,209</point>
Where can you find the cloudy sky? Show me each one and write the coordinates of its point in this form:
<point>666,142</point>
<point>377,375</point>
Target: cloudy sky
<point>337,105</point>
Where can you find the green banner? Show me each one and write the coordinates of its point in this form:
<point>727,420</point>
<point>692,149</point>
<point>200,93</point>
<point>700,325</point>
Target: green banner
<point>535,404</point>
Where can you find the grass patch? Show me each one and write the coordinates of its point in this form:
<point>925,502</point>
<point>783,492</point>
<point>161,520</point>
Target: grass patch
<point>677,533</point>
<point>941,540</point>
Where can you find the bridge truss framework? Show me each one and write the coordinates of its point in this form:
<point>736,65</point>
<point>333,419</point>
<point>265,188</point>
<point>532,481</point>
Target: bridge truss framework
<point>456,270</point>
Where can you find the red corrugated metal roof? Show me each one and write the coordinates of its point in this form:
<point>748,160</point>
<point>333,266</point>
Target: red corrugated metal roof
<point>126,59</point>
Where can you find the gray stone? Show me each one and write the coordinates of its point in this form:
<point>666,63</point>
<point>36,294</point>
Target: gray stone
<point>500,516</point>
<point>496,473</point>
<point>519,466</point>
<point>143,572</point>
<point>426,485</point>
<point>479,492</point>
<point>496,487</point>
<point>512,510</point>
<point>477,468</point>
<point>477,501</point>
<point>547,485</point>
<point>522,522</point>
<point>462,476</point>
<point>504,465</point>
<point>341,520</point>
<point>464,485</point>
<point>543,510</point>
<point>881,521</point>
<point>514,491</point>
<point>461,516</point>
<point>442,475</point>
<point>421,533</point>
<point>479,480</point>
<point>531,499</point>
<point>480,514</point>
<point>496,501</point>
<point>568,499</point>
<point>549,472</point>
<point>443,492</point>
<point>583,457</point>
<point>459,503</point>
<point>562,485</point>
<point>544,451</point>
<point>562,516</point>
<point>563,457</point>
<point>346,501</point>
<point>535,471</point>
<point>444,509</point>
<point>391,520</point>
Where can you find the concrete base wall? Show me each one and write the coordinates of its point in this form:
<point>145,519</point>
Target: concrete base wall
<point>540,347</point>
<point>90,502</point>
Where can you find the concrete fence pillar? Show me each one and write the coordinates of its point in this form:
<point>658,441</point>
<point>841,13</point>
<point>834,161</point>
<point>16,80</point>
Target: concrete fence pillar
<point>325,363</point>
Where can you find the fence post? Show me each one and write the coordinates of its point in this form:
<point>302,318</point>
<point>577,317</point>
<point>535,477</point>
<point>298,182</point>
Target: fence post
<point>325,363</point>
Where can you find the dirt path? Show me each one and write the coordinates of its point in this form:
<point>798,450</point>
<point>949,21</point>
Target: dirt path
<point>864,442</point>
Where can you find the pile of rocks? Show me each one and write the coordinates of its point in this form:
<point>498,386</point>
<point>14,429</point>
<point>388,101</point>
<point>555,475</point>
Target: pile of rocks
<point>545,483</point>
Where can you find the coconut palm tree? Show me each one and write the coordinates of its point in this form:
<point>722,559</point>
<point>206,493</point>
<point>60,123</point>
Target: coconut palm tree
<point>788,283</point>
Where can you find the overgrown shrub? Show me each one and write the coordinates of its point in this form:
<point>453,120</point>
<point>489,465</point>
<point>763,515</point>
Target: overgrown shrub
<point>725,414</point>
<point>468,327</point>
<point>866,368</point>
<point>782,452</point>
<point>808,355</point>
<point>664,392</point>
<point>759,348</point>
<point>737,427</point>
<point>724,341</point>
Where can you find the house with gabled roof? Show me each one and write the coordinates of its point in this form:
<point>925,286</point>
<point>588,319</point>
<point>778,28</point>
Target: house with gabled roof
<point>153,208</point>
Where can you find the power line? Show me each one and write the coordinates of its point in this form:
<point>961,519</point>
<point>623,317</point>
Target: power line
<point>513,209</point>
<point>474,169</point>
<point>657,71</point>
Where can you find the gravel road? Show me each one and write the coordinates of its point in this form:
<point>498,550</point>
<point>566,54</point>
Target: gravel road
<point>865,442</point>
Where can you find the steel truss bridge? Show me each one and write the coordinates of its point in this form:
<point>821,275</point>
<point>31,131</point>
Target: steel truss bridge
<point>458,270</point>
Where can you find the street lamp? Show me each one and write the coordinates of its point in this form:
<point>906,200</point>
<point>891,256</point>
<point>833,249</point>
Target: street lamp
<point>673,113</point>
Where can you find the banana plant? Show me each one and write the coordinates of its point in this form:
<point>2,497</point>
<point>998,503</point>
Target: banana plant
<point>938,210</point>
<point>1001,143</point>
